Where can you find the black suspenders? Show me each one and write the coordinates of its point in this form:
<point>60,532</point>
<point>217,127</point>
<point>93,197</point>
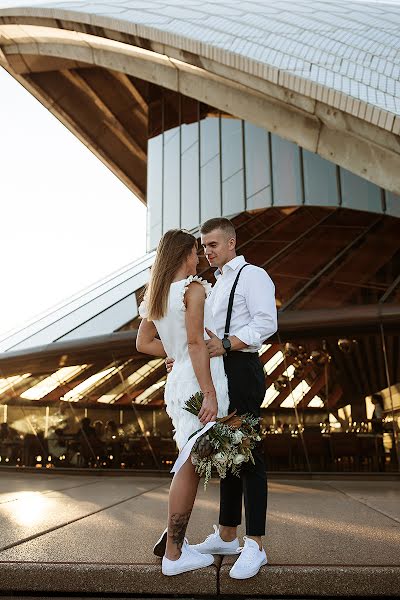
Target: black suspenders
<point>230,303</point>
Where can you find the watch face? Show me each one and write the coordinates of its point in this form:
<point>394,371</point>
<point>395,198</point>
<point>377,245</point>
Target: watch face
<point>226,343</point>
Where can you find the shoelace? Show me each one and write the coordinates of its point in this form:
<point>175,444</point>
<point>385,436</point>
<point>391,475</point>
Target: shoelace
<point>215,534</point>
<point>249,555</point>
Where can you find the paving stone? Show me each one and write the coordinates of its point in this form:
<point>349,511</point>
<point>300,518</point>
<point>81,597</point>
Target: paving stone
<point>338,537</point>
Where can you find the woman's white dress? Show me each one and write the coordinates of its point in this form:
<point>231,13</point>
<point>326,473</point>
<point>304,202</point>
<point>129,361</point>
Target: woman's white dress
<point>181,381</point>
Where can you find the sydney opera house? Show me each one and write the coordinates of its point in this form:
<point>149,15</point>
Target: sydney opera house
<point>285,118</point>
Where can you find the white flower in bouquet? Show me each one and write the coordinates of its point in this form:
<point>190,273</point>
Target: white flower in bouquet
<point>220,457</point>
<point>225,446</point>
<point>238,459</point>
<point>237,437</point>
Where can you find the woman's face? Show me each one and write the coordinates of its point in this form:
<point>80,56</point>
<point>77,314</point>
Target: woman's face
<point>192,261</point>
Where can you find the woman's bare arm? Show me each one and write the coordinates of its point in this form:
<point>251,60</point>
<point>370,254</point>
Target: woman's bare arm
<point>146,341</point>
<point>194,319</point>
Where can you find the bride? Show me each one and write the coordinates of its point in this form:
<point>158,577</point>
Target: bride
<point>175,309</point>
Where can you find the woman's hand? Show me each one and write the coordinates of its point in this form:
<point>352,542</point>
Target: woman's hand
<point>209,408</point>
<point>169,363</point>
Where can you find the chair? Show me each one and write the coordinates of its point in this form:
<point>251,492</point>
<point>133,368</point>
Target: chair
<point>34,445</point>
<point>345,450</point>
<point>278,451</point>
<point>318,451</point>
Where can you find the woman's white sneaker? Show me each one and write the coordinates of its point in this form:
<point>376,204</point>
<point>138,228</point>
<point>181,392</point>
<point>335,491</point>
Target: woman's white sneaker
<point>250,561</point>
<point>214,544</point>
<point>188,561</point>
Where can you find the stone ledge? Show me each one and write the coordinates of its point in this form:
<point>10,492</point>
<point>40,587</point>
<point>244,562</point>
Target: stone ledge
<point>95,578</point>
<point>276,581</point>
<point>317,581</point>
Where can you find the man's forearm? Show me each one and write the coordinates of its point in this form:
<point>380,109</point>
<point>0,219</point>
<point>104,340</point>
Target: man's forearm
<point>236,343</point>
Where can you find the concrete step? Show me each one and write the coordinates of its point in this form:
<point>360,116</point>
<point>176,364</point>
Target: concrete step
<point>277,581</point>
<point>93,537</point>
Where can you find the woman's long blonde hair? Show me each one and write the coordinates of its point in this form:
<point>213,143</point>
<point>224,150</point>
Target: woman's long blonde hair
<point>173,249</point>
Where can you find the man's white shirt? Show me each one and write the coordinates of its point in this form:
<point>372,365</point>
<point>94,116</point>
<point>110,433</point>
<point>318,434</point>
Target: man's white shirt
<point>254,317</point>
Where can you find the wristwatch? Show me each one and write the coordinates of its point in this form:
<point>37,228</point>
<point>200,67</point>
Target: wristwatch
<point>226,342</point>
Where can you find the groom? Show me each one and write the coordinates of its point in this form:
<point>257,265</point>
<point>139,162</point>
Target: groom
<point>252,320</point>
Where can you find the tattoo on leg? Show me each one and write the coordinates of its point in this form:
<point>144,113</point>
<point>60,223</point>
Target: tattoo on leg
<point>177,527</point>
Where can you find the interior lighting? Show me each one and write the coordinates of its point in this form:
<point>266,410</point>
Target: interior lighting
<point>77,393</point>
<point>52,382</point>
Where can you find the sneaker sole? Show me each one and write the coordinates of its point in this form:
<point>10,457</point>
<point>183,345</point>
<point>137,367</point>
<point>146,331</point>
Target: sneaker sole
<point>188,569</point>
<point>159,548</point>
<point>233,553</point>
<point>264,562</point>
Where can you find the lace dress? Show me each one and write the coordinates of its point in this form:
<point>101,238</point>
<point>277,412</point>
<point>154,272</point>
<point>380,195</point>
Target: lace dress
<point>181,381</point>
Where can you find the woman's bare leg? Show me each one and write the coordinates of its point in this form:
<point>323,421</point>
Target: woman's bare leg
<point>182,494</point>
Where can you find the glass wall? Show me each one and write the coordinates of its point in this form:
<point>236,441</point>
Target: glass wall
<point>204,164</point>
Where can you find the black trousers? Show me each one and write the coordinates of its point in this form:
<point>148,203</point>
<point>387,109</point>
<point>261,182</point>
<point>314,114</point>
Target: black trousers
<point>246,383</point>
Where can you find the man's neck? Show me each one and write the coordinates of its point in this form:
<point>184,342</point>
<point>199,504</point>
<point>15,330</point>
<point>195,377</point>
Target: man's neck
<point>220,267</point>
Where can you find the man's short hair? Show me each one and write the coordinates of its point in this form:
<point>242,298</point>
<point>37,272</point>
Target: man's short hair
<point>219,223</point>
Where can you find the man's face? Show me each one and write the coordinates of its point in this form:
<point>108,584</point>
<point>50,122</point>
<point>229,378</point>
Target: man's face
<point>218,247</point>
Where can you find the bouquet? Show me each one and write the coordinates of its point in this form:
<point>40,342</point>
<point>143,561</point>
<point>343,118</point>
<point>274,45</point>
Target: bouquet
<point>226,445</point>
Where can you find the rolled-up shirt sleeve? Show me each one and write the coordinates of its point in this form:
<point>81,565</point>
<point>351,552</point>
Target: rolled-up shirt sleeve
<point>260,299</point>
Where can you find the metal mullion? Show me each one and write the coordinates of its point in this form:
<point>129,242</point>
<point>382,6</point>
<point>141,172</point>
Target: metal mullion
<point>244,164</point>
<point>271,173</point>
<point>180,157</point>
<point>199,161</point>
<point>330,264</point>
<point>220,164</point>
<point>296,240</point>
<point>301,161</point>
<point>390,290</point>
<point>339,185</point>
<point>162,161</point>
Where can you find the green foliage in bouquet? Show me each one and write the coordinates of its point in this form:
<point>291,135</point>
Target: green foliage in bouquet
<point>226,446</point>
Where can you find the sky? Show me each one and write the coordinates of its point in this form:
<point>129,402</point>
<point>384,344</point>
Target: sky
<point>65,220</point>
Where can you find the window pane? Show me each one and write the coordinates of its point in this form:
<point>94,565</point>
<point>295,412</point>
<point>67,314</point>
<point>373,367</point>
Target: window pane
<point>261,199</point>
<point>154,191</point>
<point>231,147</point>
<point>209,139</point>
<point>286,172</point>
<point>171,208</point>
<point>359,193</point>
<point>210,186</point>
<point>233,194</point>
<point>320,184</point>
<point>392,204</point>
<point>257,162</point>
<point>190,187</point>
<point>190,135</point>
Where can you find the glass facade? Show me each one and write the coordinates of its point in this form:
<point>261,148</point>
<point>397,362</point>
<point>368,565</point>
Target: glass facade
<point>204,164</point>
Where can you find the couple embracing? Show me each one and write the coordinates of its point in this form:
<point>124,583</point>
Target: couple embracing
<point>210,337</point>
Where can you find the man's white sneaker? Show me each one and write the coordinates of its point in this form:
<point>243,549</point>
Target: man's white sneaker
<point>250,561</point>
<point>214,544</point>
<point>188,561</point>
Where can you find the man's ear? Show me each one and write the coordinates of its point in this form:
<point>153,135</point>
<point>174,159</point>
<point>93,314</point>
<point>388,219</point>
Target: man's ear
<point>232,243</point>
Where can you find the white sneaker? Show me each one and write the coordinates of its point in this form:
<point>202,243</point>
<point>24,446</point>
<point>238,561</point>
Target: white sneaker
<point>188,561</point>
<point>161,544</point>
<point>214,544</point>
<point>250,561</point>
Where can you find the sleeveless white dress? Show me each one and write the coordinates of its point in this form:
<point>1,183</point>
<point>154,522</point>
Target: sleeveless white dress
<point>182,381</point>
